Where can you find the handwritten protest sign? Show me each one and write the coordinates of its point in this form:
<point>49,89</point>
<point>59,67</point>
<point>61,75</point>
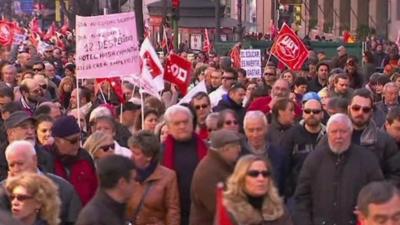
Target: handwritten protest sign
<point>250,60</point>
<point>107,46</point>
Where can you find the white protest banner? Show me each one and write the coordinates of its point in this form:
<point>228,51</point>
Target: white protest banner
<point>250,60</point>
<point>19,38</point>
<point>200,87</point>
<point>106,46</point>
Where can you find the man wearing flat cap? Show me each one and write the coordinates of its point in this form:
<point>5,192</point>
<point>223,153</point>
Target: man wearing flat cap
<point>216,166</point>
<point>20,126</point>
<point>72,162</point>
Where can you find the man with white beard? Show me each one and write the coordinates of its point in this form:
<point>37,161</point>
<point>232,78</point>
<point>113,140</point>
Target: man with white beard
<point>20,126</point>
<point>332,175</point>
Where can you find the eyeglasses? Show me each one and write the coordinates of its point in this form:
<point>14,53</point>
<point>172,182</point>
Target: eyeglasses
<point>230,122</point>
<point>43,86</point>
<point>198,107</point>
<point>358,108</point>
<point>20,198</point>
<point>256,173</point>
<point>73,140</point>
<point>228,78</point>
<point>107,148</point>
<point>314,111</point>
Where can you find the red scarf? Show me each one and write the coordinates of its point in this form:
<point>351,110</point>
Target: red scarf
<point>169,151</point>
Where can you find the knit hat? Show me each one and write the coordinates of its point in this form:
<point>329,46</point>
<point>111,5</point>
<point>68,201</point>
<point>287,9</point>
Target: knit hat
<point>310,95</point>
<point>65,126</point>
<point>222,137</point>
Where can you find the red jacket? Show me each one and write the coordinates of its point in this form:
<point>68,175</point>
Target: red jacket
<point>80,172</point>
<point>262,104</point>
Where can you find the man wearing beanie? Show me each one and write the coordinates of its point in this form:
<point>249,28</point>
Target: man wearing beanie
<point>216,166</point>
<point>72,162</point>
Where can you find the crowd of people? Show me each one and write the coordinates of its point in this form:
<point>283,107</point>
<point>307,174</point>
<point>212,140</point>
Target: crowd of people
<point>318,146</point>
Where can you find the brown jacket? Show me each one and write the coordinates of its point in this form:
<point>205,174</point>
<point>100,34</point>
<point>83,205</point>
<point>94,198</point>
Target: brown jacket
<point>161,203</point>
<point>243,213</point>
<point>210,171</point>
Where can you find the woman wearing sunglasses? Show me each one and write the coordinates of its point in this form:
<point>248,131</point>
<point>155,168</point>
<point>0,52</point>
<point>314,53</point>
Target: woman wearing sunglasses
<point>252,197</point>
<point>99,145</point>
<point>155,199</point>
<point>34,199</point>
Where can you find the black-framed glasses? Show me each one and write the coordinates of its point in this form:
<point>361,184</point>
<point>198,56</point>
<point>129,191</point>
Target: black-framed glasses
<point>230,122</point>
<point>107,148</point>
<point>203,106</point>
<point>256,173</point>
<point>20,197</point>
<point>314,111</point>
<point>269,74</point>
<point>358,108</point>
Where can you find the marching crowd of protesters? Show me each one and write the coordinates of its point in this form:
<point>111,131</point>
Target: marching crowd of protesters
<point>318,146</point>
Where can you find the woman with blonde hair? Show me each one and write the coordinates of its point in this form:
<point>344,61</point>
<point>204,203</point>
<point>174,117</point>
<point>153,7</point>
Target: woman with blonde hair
<point>252,197</point>
<point>34,199</point>
<point>99,145</point>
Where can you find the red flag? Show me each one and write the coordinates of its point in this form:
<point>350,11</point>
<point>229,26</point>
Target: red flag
<point>273,30</point>
<point>398,40</point>
<point>178,71</point>
<point>116,85</point>
<point>6,33</point>
<point>235,56</point>
<point>34,26</point>
<point>51,32</point>
<point>222,216</point>
<point>65,28</point>
<point>289,48</point>
<point>207,44</point>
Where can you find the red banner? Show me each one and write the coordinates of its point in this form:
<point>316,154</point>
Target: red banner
<point>235,55</point>
<point>289,48</point>
<point>178,71</point>
<point>6,33</point>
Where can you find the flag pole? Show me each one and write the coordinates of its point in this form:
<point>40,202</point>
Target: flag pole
<point>78,110</point>
<point>102,93</point>
<point>142,102</point>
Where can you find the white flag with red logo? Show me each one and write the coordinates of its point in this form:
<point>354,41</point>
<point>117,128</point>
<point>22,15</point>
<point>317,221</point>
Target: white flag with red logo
<point>6,33</point>
<point>152,69</point>
<point>289,48</point>
<point>178,71</point>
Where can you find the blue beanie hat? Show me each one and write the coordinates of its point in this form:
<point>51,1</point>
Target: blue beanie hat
<point>65,126</point>
<point>310,95</point>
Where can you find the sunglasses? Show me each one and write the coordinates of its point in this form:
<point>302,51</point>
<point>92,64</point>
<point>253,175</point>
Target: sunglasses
<point>107,148</point>
<point>37,69</point>
<point>230,122</point>
<point>20,198</point>
<point>314,111</point>
<point>256,173</point>
<point>198,107</point>
<point>358,108</point>
<point>269,74</point>
<point>72,141</point>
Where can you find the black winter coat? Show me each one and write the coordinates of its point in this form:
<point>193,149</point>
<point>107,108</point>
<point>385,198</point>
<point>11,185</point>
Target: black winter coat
<point>329,184</point>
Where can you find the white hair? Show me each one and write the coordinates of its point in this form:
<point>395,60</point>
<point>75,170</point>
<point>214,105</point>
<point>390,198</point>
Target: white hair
<point>99,112</point>
<point>339,118</point>
<point>171,111</point>
<point>254,115</point>
<point>20,147</point>
<point>390,85</point>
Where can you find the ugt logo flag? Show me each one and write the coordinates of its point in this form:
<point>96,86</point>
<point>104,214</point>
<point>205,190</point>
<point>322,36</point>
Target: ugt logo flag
<point>289,49</point>
<point>178,72</point>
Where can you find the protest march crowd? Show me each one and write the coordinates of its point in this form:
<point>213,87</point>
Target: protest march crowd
<point>318,145</point>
